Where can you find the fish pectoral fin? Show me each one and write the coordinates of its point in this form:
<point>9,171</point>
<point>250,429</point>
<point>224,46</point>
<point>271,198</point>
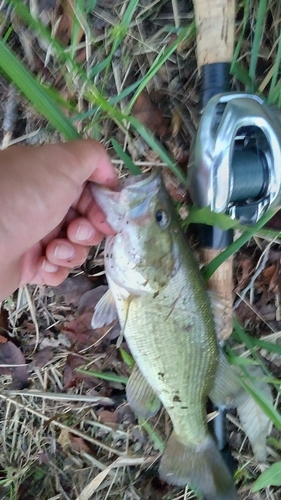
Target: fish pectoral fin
<point>105,311</point>
<point>140,396</point>
<point>198,465</point>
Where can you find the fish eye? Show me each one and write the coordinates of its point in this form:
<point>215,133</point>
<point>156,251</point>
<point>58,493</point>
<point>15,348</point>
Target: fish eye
<point>161,218</point>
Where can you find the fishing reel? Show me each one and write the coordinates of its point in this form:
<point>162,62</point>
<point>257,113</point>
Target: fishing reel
<point>235,166</point>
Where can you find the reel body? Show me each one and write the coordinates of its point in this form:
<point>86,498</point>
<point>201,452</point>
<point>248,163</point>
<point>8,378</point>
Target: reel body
<point>235,166</point>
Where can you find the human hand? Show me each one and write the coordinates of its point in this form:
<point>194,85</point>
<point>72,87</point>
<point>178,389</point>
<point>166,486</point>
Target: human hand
<point>48,217</point>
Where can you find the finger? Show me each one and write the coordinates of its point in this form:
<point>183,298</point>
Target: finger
<point>87,206</point>
<point>49,274</point>
<point>82,232</point>
<point>98,219</point>
<point>62,252</point>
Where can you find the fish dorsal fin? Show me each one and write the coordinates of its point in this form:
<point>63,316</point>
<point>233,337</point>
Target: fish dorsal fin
<point>105,311</point>
<point>140,396</point>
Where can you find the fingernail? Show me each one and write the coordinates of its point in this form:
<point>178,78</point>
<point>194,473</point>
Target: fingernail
<point>84,232</point>
<point>48,267</point>
<point>64,251</point>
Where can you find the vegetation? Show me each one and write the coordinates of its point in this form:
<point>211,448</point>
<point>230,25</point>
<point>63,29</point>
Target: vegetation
<point>124,73</point>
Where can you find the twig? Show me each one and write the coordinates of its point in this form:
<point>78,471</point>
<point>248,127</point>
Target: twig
<point>259,269</point>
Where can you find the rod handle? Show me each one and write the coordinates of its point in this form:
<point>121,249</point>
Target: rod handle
<point>220,286</point>
<point>215,31</point>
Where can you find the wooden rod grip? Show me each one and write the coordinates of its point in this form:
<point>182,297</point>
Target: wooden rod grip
<point>215,30</point>
<point>220,286</point>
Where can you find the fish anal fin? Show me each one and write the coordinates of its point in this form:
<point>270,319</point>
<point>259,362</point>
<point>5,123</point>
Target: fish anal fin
<point>200,466</point>
<point>140,396</point>
<point>105,311</point>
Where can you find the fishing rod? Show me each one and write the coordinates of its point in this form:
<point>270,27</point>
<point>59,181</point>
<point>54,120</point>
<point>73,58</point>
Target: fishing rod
<point>215,23</point>
<point>215,44</point>
<point>235,165</point>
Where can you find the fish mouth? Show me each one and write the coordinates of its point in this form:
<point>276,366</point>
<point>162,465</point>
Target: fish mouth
<point>130,192</point>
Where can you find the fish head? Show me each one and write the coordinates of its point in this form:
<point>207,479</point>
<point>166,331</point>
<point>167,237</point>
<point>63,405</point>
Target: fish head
<point>142,256</point>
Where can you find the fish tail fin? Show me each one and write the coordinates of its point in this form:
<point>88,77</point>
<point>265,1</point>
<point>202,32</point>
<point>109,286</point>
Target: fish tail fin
<point>200,466</point>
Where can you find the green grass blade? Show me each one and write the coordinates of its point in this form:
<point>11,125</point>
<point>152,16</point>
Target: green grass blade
<point>158,148</point>
<point>270,477</point>
<point>239,43</point>
<point>267,346</point>
<point>275,75</point>
<point>128,14</point>
<point>125,158</point>
<point>118,33</point>
<point>161,59</point>
<point>247,340</point>
<point>77,17</point>
<point>36,94</point>
<point>258,396</point>
<point>23,12</point>
<point>158,443</point>
<point>224,222</point>
<point>89,5</point>
<point>243,76</point>
<point>206,216</point>
<point>127,358</point>
<point>235,246</point>
<point>258,33</point>
<point>93,94</point>
<point>111,377</point>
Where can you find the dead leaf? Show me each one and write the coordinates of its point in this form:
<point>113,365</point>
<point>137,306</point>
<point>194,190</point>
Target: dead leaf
<point>175,188</point>
<point>80,331</point>
<point>264,279</point>
<point>72,289</point>
<point>245,269</point>
<point>4,322</point>
<point>245,314</point>
<point>52,342</point>
<point>148,113</point>
<point>126,415</point>
<point>275,282</point>
<point>64,439</point>
<point>90,298</point>
<point>108,417</point>
<point>72,377</point>
<point>12,356</point>
<point>65,28</point>
<point>275,221</point>
<point>78,444</point>
<point>42,357</point>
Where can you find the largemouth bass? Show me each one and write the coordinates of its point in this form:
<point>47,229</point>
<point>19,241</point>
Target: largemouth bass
<point>163,308</point>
